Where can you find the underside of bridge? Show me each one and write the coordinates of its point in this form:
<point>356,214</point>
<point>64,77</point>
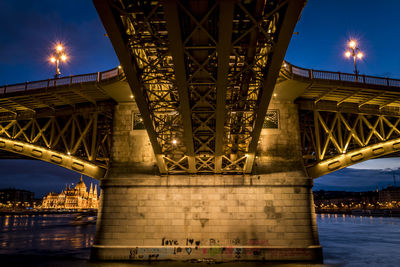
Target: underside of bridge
<point>184,181</point>
<point>344,118</point>
<point>66,122</point>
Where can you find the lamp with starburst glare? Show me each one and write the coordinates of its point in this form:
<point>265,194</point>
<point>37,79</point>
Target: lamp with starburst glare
<point>354,51</point>
<point>57,57</point>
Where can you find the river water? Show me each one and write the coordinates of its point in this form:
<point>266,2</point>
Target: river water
<point>48,240</point>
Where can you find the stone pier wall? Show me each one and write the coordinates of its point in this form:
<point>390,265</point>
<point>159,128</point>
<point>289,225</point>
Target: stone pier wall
<point>268,215</point>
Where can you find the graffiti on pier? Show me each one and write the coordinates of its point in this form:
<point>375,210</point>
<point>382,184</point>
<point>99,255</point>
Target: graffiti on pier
<point>214,248</point>
<point>192,242</point>
<point>174,242</point>
<point>150,253</point>
<point>169,242</point>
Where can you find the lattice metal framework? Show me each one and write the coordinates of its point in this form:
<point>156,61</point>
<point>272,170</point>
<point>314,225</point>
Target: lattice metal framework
<point>84,138</point>
<point>333,140</point>
<point>202,73</point>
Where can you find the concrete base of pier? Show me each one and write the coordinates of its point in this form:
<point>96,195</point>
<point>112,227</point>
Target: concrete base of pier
<point>207,218</point>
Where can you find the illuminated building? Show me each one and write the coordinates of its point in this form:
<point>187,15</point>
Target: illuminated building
<point>73,198</point>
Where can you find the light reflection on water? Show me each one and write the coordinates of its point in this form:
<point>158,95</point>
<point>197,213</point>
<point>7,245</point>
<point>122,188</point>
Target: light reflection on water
<point>44,234</point>
<point>347,240</point>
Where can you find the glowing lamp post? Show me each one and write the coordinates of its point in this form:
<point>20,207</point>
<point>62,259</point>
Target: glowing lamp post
<point>58,56</point>
<point>355,52</point>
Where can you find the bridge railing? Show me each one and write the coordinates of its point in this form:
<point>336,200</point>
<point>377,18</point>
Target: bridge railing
<point>339,76</point>
<point>69,80</point>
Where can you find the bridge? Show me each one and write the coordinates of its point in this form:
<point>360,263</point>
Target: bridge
<point>205,141</point>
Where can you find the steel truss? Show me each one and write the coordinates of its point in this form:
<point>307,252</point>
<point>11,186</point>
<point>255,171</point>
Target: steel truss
<point>202,73</point>
<point>333,140</point>
<point>79,141</point>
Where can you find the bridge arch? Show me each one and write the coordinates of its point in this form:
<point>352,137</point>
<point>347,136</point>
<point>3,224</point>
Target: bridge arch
<point>344,118</point>
<point>353,157</point>
<point>61,159</point>
<point>76,139</point>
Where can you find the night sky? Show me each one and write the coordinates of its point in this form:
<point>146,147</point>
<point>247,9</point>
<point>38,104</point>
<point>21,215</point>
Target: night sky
<point>29,30</point>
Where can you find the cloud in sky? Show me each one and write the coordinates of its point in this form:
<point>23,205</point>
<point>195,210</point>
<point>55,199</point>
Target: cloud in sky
<point>378,164</point>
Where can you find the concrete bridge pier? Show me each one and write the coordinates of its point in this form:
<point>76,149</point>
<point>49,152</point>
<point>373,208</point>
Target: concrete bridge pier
<point>268,215</point>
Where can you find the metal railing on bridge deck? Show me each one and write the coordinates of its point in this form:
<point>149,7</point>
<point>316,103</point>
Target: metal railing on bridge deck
<point>339,76</point>
<point>69,80</point>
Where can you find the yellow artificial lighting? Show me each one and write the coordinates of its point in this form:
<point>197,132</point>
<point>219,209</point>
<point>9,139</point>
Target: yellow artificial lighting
<point>59,48</point>
<point>360,55</point>
<point>174,141</point>
<point>347,54</point>
<point>52,59</point>
<point>63,57</point>
<point>352,44</point>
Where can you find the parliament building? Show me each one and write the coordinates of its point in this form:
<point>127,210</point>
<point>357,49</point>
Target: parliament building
<point>73,198</point>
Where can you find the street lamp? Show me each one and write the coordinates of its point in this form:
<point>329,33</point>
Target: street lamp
<point>356,53</point>
<point>59,55</point>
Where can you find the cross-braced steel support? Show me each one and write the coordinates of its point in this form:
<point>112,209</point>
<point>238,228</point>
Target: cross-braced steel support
<point>202,74</point>
<point>78,141</point>
<point>334,140</point>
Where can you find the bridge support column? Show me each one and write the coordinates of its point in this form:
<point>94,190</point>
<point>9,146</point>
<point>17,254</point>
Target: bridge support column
<point>265,216</point>
<point>221,218</point>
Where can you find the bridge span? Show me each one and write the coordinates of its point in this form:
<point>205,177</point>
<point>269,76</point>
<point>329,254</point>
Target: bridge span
<point>35,119</point>
<point>204,140</point>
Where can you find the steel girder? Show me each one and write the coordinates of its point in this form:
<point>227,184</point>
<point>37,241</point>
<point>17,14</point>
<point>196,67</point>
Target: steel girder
<point>202,73</point>
<point>332,140</point>
<point>80,141</point>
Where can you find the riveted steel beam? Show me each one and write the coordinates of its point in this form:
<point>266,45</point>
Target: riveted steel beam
<point>115,30</point>
<point>226,10</point>
<point>355,156</point>
<point>176,49</point>
<point>290,15</point>
<point>54,157</point>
